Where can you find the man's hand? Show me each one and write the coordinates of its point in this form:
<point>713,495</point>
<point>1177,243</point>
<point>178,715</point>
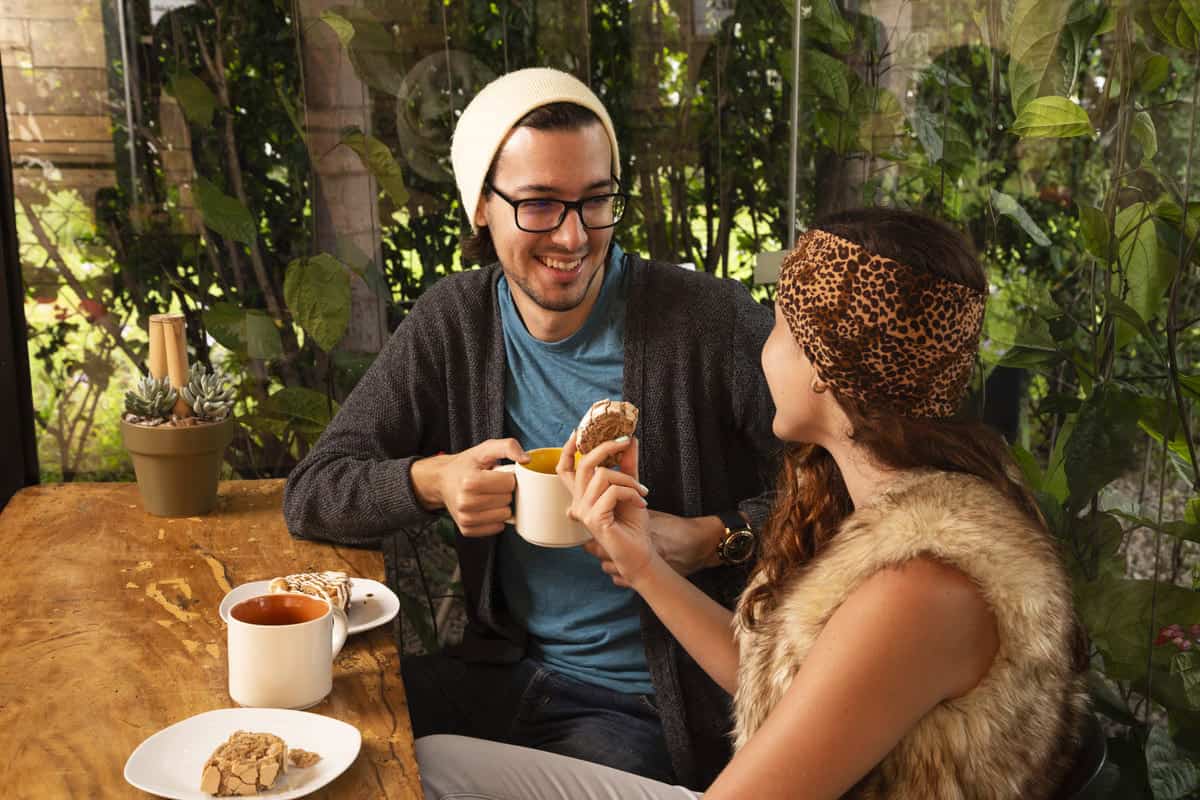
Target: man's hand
<point>688,544</point>
<point>477,497</point>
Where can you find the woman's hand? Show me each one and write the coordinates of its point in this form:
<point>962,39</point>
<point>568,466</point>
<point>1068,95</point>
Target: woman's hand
<point>612,506</point>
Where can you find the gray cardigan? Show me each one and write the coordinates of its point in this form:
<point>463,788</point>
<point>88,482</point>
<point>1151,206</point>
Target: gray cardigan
<point>692,346</point>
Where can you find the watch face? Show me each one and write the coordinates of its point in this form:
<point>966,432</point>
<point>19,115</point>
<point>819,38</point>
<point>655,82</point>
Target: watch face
<point>738,546</point>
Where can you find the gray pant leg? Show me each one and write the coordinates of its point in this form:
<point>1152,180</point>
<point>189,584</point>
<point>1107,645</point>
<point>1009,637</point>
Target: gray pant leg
<point>462,768</point>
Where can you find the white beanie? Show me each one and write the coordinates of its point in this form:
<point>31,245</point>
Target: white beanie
<point>493,112</point>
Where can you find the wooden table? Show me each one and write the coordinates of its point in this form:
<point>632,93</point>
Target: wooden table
<point>111,632</point>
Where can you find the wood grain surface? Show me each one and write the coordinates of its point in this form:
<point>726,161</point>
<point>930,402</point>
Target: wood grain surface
<point>111,633</point>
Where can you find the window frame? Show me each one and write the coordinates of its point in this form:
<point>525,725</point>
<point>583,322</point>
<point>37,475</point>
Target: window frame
<point>18,444</point>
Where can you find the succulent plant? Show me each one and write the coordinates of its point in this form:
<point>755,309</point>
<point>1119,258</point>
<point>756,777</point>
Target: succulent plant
<point>151,401</point>
<point>208,394</point>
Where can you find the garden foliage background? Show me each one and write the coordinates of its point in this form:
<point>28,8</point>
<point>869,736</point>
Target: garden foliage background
<point>288,189</point>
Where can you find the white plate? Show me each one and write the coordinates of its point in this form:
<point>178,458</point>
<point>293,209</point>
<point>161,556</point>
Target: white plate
<point>371,602</point>
<point>169,763</point>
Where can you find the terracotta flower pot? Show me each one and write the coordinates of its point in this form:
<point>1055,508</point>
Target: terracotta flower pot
<point>177,468</point>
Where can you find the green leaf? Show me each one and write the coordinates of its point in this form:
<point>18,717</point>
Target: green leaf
<point>224,214</point>
<point>928,128</point>
<point>1187,666</point>
<point>1192,9</point>
<point>880,126</point>
<point>1146,275</point>
<point>1052,118</point>
<point>1058,403</point>
<point>1102,444</point>
<point>195,98</point>
<point>1175,21</point>
<point>1034,31</point>
<point>374,54</point>
<point>259,424</point>
<point>1181,231</point>
<point>1093,227</point>
<point>297,404</point>
<point>1172,776</point>
<point>1083,20</point>
<point>827,24</point>
<point>1108,701</point>
<point>342,27</point>
<point>1028,357</point>
<point>1154,73</point>
<point>1117,615</point>
<point>1144,132</point>
<point>378,159</point>
<point>358,262</point>
<point>1029,466</point>
<point>1099,536</point>
<point>839,132</point>
<point>1128,314</point>
<point>1191,384</point>
<point>828,76</point>
<point>262,336</point>
<point>317,291</point>
<point>226,323</point>
<point>1176,528</point>
<point>1008,206</point>
<point>249,332</point>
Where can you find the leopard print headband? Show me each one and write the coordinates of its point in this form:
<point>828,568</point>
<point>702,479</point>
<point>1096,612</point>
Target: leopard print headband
<point>874,328</point>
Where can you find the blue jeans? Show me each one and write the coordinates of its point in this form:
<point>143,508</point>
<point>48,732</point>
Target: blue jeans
<point>530,705</point>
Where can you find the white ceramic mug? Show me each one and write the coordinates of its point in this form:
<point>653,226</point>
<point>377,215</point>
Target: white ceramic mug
<point>540,502</point>
<point>281,650</point>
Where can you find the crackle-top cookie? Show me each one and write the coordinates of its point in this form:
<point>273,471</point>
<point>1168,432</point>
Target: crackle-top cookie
<point>244,765</point>
<point>604,421</point>
<point>330,585</point>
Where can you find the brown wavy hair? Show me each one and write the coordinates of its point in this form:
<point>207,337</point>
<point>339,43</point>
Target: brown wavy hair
<point>812,500</point>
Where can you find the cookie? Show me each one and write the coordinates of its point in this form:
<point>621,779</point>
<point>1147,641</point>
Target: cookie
<point>330,585</point>
<point>244,765</point>
<point>604,421</point>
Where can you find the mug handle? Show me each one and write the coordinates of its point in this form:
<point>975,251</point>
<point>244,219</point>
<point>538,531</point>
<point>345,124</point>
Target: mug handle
<point>341,629</point>
<point>513,469</point>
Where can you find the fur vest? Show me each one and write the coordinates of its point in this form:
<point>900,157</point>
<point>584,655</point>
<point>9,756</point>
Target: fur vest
<point>1013,735</point>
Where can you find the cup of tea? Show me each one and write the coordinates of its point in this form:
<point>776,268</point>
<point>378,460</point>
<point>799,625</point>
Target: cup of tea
<point>281,650</point>
<point>540,502</point>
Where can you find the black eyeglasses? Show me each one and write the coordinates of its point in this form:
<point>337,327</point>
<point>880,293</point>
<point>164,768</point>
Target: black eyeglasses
<point>544,214</point>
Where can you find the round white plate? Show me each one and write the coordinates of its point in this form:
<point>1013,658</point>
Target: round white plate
<point>169,763</point>
<point>371,602</point>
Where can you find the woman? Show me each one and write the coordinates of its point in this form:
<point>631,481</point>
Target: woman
<point>908,630</point>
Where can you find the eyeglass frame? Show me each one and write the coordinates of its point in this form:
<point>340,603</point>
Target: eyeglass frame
<point>568,206</point>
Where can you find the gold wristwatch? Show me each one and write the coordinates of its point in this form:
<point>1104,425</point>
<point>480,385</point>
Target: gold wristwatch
<point>737,544</point>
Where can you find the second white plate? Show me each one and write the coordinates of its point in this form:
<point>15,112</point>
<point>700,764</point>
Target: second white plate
<point>169,763</point>
<point>371,603</point>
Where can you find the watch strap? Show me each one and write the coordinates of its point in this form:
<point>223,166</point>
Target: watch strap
<point>733,521</point>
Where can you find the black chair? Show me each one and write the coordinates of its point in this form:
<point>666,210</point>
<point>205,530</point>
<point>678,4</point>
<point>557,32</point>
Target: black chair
<point>1083,780</point>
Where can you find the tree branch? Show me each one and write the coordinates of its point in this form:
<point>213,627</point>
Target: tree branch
<point>106,321</point>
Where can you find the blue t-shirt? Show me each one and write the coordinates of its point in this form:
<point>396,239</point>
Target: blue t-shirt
<point>579,623</point>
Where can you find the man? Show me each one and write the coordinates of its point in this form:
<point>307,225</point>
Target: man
<point>495,361</point>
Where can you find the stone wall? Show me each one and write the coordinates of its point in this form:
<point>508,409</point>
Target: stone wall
<point>55,71</point>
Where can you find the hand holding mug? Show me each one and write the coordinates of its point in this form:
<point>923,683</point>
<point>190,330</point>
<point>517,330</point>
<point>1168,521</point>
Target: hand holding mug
<point>478,497</point>
<point>612,506</point>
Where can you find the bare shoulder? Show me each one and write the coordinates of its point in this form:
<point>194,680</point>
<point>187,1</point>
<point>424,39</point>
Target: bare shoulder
<point>936,608</point>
